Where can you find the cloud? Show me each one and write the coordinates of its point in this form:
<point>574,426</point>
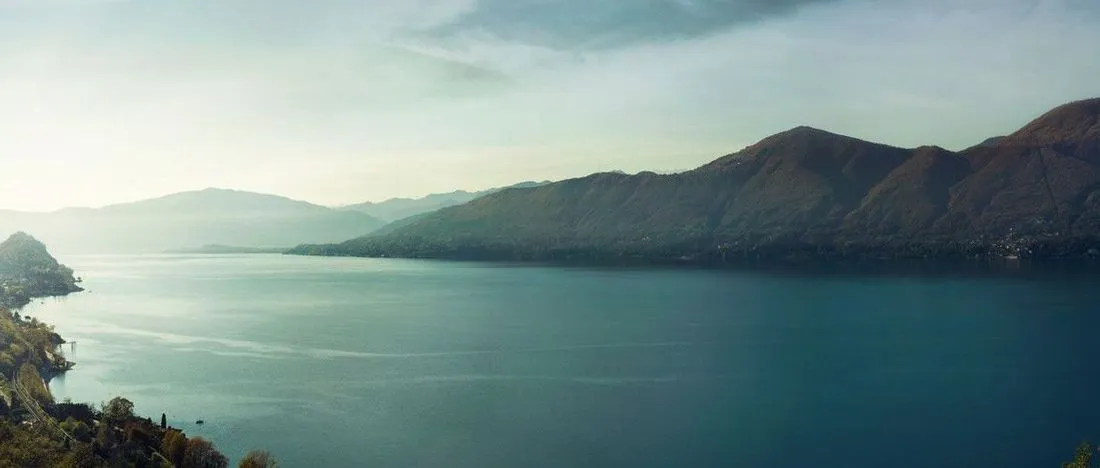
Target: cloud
<point>895,71</point>
<point>586,24</point>
<point>232,21</point>
<point>53,3</point>
<point>344,101</point>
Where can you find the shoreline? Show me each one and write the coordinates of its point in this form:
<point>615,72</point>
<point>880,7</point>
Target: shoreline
<point>59,363</point>
<point>712,253</point>
<point>32,356</point>
<point>952,266</point>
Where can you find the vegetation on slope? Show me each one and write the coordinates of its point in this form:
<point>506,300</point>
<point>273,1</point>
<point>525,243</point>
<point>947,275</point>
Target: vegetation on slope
<point>28,342</point>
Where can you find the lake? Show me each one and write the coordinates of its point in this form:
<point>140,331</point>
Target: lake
<point>366,362</point>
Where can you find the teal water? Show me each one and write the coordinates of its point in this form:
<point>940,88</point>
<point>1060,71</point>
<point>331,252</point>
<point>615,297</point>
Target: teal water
<point>354,362</point>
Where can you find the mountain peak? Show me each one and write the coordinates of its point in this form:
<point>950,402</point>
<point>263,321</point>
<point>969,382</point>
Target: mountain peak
<point>803,134</point>
<point>798,143</point>
<point>22,249</point>
<point>216,199</point>
<point>20,237</point>
<point>807,129</point>
<point>802,131</point>
<point>1069,123</point>
<point>798,140</point>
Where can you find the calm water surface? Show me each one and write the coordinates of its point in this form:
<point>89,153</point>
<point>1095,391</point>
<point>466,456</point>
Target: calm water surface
<point>352,362</point>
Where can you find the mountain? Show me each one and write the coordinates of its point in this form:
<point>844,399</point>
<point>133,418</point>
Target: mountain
<point>992,141</point>
<point>191,219</point>
<point>216,249</point>
<point>396,209</point>
<point>27,270</point>
<point>801,193</point>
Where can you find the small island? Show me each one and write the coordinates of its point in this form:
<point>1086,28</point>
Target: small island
<point>37,431</point>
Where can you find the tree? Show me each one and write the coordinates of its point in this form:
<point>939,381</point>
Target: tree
<point>1082,458</point>
<point>174,445</point>
<point>139,431</point>
<point>200,453</point>
<point>77,429</point>
<point>105,436</point>
<point>6,361</point>
<point>258,459</point>
<point>118,410</point>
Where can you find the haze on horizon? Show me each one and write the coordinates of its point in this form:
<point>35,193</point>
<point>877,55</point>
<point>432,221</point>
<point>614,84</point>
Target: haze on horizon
<point>344,101</point>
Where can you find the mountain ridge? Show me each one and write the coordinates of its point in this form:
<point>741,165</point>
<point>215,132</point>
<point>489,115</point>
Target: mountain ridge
<point>1074,121</point>
<point>190,218</point>
<point>401,208</point>
<point>801,192</point>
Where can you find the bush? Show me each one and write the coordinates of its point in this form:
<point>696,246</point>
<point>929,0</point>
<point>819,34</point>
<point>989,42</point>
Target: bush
<point>78,429</point>
<point>81,457</point>
<point>118,410</point>
<point>1082,458</point>
<point>200,453</point>
<point>258,459</point>
<point>174,445</point>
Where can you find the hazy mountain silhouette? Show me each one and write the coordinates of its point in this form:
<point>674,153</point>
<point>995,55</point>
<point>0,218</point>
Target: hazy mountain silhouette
<point>803,192</point>
<point>396,209</point>
<point>190,219</point>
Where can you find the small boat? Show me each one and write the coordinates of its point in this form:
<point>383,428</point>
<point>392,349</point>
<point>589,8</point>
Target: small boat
<point>200,422</point>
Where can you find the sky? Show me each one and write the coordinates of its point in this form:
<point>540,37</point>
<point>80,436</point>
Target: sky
<point>345,101</point>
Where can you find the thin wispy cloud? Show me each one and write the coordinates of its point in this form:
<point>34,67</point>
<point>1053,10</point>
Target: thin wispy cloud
<point>345,101</point>
<point>583,24</point>
<point>53,3</point>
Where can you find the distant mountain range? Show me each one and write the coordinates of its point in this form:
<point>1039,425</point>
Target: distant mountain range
<point>396,209</point>
<point>803,193</point>
<point>217,249</point>
<point>190,219</point>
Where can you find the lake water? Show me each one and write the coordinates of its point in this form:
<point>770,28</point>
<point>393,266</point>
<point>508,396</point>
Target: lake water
<point>355,362</point>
